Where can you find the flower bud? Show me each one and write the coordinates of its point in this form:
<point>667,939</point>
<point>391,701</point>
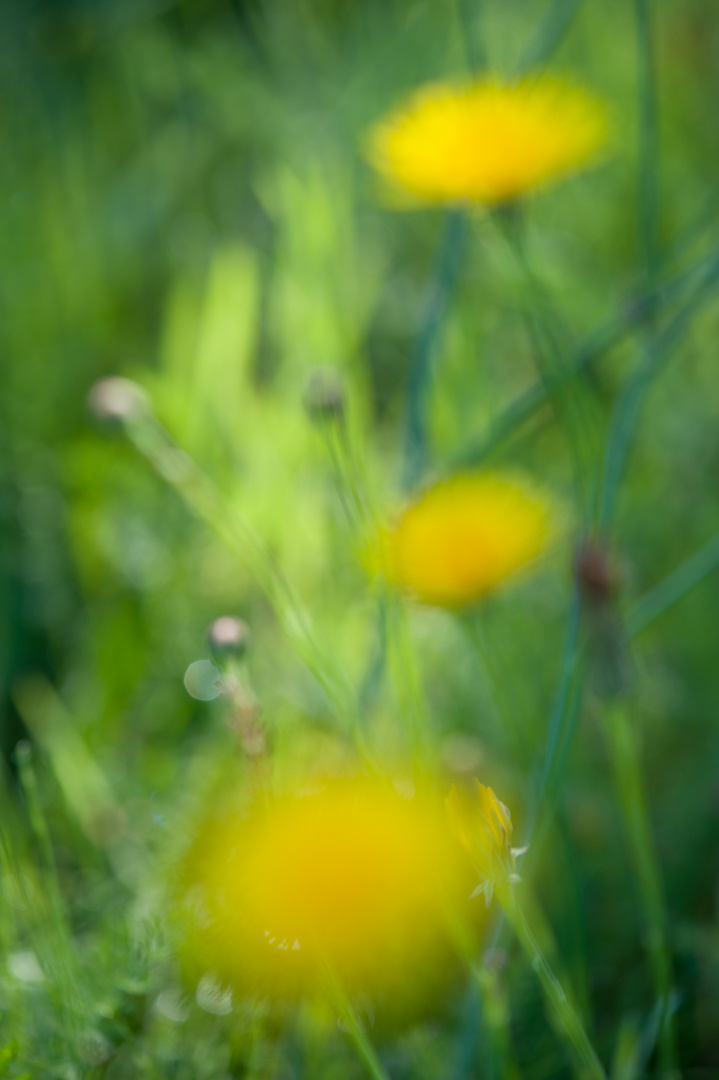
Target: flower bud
<point>595,571</point>
<point>115,400</point>
<point>324,395</point>
<point>228,638</point>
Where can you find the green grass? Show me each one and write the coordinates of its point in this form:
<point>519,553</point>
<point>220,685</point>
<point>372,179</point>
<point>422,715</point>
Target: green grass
<point>184,202</point>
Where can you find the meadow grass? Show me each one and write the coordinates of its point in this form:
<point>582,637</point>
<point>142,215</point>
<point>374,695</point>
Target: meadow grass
<point>295,356</point>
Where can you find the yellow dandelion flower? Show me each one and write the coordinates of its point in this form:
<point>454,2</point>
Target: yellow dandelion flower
<point>464,537</point>
<point>490,142</point>
<point>484,827</point>
<point>351,878</point>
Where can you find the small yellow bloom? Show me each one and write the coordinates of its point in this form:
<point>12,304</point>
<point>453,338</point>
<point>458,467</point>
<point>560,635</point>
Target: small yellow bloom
<point>464,537</point>
<point>484,828</point>
<point>490,142</point>
<point>352,878</point>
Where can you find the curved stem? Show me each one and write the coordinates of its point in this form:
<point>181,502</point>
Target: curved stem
<point>567,1019</point>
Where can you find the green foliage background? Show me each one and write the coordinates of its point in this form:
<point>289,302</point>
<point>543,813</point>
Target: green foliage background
<point>183,200</point>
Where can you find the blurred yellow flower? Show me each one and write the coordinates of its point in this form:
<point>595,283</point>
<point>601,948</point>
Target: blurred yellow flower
<point>483,825</point>
<point>352,878</point>
<point>489,142</point>
<point>464,537</point>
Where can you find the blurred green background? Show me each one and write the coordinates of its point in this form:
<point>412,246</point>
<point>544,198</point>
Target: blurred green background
<point>184,201</point>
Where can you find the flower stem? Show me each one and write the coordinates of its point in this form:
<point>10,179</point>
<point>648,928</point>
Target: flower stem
<point>441,287</point>
<point>494,678</point>
<point>574,409</point>
<point>492,1003</point>
<point>648,201</point>
<point>673,587</point>
<point>567,1019</point>
<point>365,1050</point>
<point>634,313</point>
<point>407,679</point>
<point>631,797</point>
<point>219,512</point>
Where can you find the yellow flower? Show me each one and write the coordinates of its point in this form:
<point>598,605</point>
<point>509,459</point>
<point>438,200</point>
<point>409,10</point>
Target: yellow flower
<point>489,142</point>
<point>352,878</point>
<point>463,537</point>
<point>484,828</point>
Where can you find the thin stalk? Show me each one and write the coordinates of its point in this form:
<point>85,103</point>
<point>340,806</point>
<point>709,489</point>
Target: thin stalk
<point>355,1029</point>
<point>436,307</point>
<point>348,475</point>
<point>635,312</point>
<point>552,29</point>
<point>548,340</point>
<point>673,587</point>
<point>496,1014</point>
<point>447,263</point>
<point>470,1042</point>
<point>377,661</point>
<point>469,13</point>
<point>567,1020</point>
<point>560,700</point>
<point>208,504</point>
<point>648,187</point>
<point>58,954</point>
<point>626,411</point>
<point>407,681</point>
<point>546,799</point>
<point>472,622</point>
<point>625,758</point>
<point>492,1003</point>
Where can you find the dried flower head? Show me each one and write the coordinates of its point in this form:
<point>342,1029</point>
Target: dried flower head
<point>483,826</point>
<point>490,142</point>
<point>351,876</point>
<point>464,537</point>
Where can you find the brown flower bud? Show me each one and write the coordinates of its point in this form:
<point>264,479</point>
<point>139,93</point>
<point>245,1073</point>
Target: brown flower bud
<point>595,571</point>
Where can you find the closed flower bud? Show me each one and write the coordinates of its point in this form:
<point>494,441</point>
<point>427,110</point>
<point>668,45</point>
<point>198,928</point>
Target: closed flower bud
<point>595,571</point>
<point>483,825</point>
<point>324,396</point>
<point>228,638</point>
<point>115,400</point>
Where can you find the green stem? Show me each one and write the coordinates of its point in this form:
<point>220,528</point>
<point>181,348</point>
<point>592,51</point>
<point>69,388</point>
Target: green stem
<point>552,29</point>
<point>492,1002</point>
<point>58,955</point>
<point>469,13</point>
<point>648,195</point>
<point>626,411</point>
<point>219,513</point>
<point>408,681</point>
<point>561,698</point>
<point>568,1022</point>
<point>673,587</point>
<point>435,312</point>
<point>355,1029</point>
<point>496,1016</point>
<point>548,337</point>
<point>473,623</point>
<point>631,796</point>
<point>636,310</point>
